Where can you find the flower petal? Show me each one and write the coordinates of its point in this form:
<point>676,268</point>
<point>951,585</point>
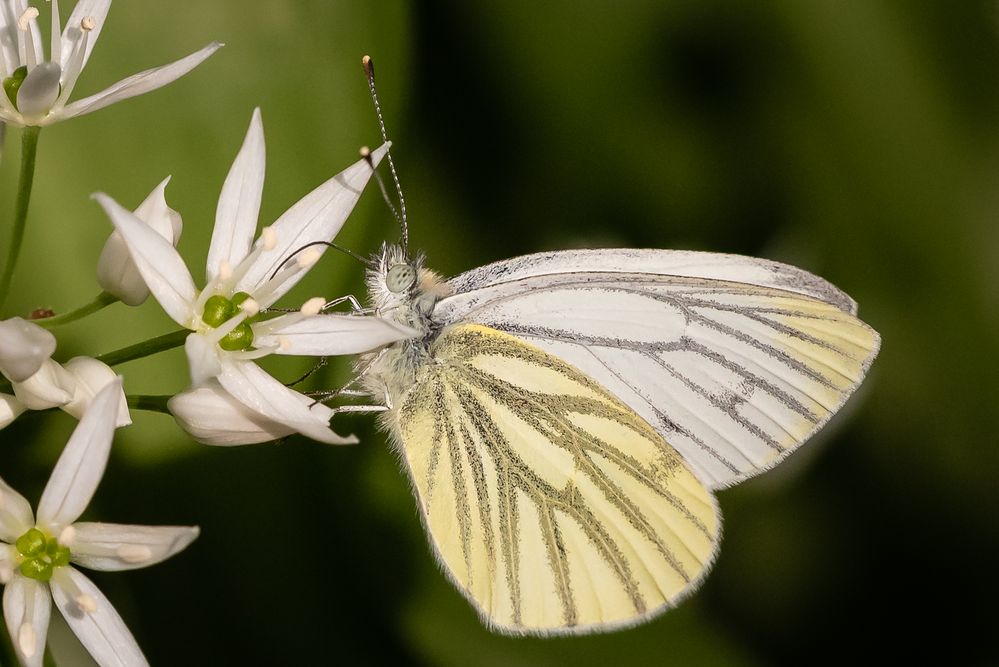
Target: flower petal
<point>10,409</point>
<point>328,335</point>
<point>51,387</point>
<point>15,514</point>
<point>239,202</point>
<point>94,620</point>
<point>202,358</point>
<point>158,261</point>
<point>95,9</point>
<point>137,84</point>
<point>27,605</point>
<point>92,376</point>
<point>316,217</point>
<point>9,57</point>
<point>23,347</point>
<point>81,465</point>
<point>39,91</point>
<point>254,388</point>
<point>112,546</point>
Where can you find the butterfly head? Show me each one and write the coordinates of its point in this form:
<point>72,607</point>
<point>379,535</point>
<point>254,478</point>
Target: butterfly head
<point>401,288</point>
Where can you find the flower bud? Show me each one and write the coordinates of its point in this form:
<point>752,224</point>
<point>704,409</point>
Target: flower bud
<point>24,346</point>
<point>213,417</point>
<point>116,271</point>
<point>91,376</point>
<point>51,387</point>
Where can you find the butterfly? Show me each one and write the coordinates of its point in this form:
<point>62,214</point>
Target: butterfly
<point>565,417</point>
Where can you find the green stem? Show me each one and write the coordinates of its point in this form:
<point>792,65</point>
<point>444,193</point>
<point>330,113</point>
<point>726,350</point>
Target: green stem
<point>103,300</point>
<point>147,402</point>
<point>29,147</point>
<point>145,348</point>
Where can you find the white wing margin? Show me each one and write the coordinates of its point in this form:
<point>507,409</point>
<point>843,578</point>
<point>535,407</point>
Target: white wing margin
<point>734,374</point>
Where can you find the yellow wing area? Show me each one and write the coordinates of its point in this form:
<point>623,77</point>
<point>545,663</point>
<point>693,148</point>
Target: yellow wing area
<point>553,506</point>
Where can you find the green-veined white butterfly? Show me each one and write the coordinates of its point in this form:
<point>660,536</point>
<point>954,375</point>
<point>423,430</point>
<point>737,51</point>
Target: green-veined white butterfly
<point>564,417</point>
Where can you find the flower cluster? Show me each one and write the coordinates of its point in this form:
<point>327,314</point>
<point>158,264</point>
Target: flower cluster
<point>227,326</point>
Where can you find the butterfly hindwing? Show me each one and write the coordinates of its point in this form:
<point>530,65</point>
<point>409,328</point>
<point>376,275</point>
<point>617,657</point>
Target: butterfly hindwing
<point>733,374</point>
<point>552,505</point>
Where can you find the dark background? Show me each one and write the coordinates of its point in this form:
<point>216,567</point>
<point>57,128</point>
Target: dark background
<point>855,139</point>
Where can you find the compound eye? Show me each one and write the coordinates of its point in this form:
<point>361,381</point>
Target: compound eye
<point>400,277</point>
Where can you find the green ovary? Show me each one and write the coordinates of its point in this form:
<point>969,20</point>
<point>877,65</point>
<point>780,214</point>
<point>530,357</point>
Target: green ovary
<point>218,310</point>
<point>13,83</point>
<point>40,554</point>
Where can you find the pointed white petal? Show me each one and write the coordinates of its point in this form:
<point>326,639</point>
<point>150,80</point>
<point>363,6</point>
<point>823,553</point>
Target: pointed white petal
<point>239,203</point>
<point>159,263</point>
<point>9,58</point>
<point>94,620</point>
<point>95,9</point>
<point>137,84</point>
<point>202,358</point>
<point>254,388</point>
<point>155,212</point>
<point>112,546</point>
<point>329,335</point>
<point>10,409</point>
<point>316,217</point>
<point>81,465</point>
<point>211,415</point>
<point>92,376</point>
<point>26,608</point>
<point>23,347</point>
<point>15,514</point>
<point>51,387</point>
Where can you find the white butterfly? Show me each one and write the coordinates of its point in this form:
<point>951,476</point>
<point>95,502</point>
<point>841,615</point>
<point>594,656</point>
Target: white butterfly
<point>565,416</point>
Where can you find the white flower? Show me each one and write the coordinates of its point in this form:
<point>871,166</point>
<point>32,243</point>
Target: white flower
<point>36,552</point>
<point>36,91</point>
<point>24,346</point>
<point>116,272</point>
<point>10,409</point>
<point>245,277</point>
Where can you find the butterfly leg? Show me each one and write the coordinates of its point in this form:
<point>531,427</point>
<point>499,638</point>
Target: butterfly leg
<point>355,305</point>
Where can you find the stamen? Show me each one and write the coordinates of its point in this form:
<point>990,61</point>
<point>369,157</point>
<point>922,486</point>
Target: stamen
<point>55,51</point>
<point>313,306</point>
<point>283,343</point>
<point>86,603</point>
<point>88,23</point>
<point>25,21</point>
<point>68,536</point>
<point>250,307</point>
<point>225,270</point>
<point>26,640</point>
<point>308,258</point>
<point>134,553</point>
<point>268,238</point>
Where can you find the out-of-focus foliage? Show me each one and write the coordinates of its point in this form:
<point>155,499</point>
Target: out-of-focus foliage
<point>854,139</point>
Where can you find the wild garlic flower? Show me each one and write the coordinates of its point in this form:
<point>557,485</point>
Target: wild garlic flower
<point>36,90</point>
<point>37,553</point>
<point>229,325</point>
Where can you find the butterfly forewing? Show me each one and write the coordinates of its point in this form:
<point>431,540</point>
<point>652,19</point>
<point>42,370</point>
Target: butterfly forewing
<point>553,506</point>
<point>734,375</point>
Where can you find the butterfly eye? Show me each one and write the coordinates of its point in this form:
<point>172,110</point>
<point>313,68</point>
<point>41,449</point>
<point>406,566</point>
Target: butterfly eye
<point>400,277</point>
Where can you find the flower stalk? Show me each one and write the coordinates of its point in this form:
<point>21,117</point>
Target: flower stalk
<point>29,147</point>
<point>145,348</point>
<point>103,300</point>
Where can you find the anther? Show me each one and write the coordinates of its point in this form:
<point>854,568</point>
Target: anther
<point>86,603</point>
<point>250,307</point>
<point>283,343</point>
<point>88,23</point>
<point>67,536</point>
<point>313,306</point>
<point>26,640</point>
<point>308,258</point>
<point>134,553</point>
<point>29,14</point>
<point>269,238</point>
<point>225,270</point>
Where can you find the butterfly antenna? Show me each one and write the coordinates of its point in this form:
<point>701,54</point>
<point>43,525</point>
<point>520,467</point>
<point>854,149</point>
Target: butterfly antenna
<point>328,244</point>
<point>369,71</point>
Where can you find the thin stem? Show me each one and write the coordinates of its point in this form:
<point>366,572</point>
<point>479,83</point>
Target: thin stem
<point>145,348</point>
<point>103,300</point>
<point>147,402</point>
<point>29,147</point>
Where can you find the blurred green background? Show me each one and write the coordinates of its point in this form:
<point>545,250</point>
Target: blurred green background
<point>858,140</point>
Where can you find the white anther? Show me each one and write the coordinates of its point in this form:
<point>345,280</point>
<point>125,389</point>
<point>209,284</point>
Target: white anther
<point>225,270</point>
<point>134,553</point>
<point>283,343</point>
<point>67,536</point>
<point>313,306</point>
<point>86,603</point>
<point>308,258</point>
<point>250,307</point>
<point>365,152</point>
<point>88,23</point>
<point>268,238</point>
<point>29,15</point>
<point>26,640</point>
